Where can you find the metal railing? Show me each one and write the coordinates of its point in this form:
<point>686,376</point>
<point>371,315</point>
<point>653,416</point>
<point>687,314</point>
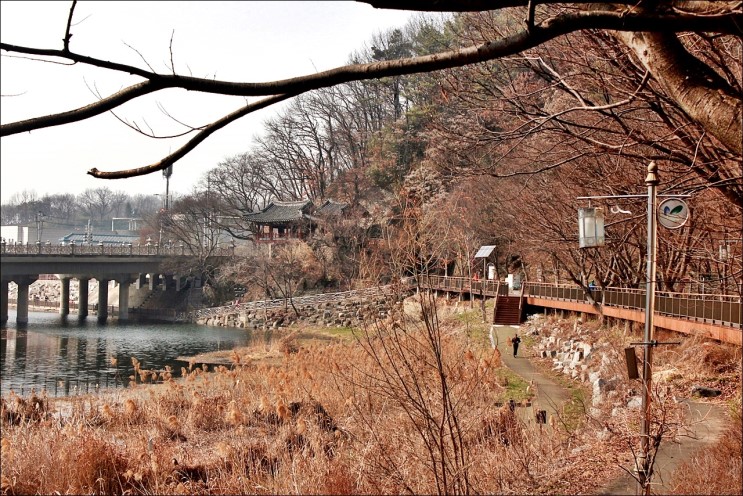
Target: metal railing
<point>719,309</point>
<point>487,287</point>
<point>128,249</point>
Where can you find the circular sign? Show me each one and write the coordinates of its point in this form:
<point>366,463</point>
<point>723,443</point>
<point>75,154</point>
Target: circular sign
<point>673,213</point>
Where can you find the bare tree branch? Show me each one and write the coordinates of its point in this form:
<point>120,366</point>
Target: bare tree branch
<point>192,143</point>
<point>68,34</point>
<point>623,16</point>
<point>546,30</point>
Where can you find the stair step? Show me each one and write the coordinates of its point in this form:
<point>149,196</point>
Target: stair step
<point>508,311</point>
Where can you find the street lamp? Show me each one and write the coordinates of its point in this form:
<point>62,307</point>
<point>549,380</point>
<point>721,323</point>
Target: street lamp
<point>589,229</point>
<point>39,220</point>
<point>652,180</point>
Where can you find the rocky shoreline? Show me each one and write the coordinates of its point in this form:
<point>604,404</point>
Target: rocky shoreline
<point>349,313</point>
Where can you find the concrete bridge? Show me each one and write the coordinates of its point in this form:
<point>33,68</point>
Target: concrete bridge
<point>127,264</point>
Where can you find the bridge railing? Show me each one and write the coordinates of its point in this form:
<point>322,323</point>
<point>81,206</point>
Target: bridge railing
<point>720,309</point>
<point>127,249</point>
<point>487,287</point>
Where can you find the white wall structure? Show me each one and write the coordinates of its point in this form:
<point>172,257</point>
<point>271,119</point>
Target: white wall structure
<point>14,234</point>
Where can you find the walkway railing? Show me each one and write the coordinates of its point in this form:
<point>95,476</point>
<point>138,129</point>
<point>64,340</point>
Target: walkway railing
<point>128,249</point>
<point>722,309</point>
<point>464,285</point>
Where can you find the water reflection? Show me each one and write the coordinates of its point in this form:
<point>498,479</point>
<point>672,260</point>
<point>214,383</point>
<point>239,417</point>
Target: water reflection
<point>67,355</point>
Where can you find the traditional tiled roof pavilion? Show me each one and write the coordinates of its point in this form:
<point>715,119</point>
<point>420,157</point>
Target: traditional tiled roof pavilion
<point>291,220</point>
<point>283,220</point>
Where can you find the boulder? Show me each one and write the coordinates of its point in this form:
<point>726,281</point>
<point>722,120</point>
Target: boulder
<point>704,391</point>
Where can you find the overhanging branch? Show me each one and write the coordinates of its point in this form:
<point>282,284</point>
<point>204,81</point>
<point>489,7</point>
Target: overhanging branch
<point>540,33</point>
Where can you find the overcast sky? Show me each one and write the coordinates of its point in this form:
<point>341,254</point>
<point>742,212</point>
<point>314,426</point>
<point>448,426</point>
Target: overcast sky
<point>238,41</point>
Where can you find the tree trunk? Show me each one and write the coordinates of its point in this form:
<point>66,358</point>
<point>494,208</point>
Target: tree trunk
<point>702,94</point>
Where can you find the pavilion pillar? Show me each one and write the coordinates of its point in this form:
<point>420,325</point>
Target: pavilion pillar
<point>64,303</point>
<point>82,307</point>
<point>102,300</point>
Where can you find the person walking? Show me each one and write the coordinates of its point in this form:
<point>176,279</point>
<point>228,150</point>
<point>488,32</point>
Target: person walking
<point>515,341</point>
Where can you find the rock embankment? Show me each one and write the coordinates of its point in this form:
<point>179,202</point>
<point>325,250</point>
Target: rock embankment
<point>50,290</point>
<point>578,354</point>
<point>352,312</point>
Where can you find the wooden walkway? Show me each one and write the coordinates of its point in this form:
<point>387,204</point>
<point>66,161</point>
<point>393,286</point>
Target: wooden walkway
<point>713,316</point>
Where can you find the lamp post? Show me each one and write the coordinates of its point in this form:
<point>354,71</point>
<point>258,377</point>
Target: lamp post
<point>39,220</point>
<point>591,234</point>
<point>651,181</point>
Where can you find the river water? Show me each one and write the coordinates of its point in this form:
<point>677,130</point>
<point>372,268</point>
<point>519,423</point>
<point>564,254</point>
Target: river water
<point>67,356</point>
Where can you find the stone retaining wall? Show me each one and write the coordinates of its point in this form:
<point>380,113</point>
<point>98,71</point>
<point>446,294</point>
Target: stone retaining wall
<point>587,361</point>
<point>352,312</point>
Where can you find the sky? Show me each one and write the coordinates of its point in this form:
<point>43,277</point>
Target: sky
<point>236,41</point>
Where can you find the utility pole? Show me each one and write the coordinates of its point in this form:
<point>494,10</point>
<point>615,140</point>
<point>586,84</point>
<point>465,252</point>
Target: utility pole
<point>643,482</point>
<point>167,172</point>
<point>39,222</point>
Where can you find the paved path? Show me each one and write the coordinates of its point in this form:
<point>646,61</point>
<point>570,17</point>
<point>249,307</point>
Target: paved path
<point>706,421</point>
<point>550,395</point>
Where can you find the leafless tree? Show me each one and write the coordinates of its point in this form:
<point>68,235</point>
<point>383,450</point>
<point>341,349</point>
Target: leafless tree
<point>190,223</point>
<point>650,31</point>
<point>100,203</point>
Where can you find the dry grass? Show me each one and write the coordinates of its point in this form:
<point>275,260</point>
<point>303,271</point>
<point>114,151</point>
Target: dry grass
<point>328,418</point>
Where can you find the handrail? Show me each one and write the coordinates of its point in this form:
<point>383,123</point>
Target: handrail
<point>721,309</point>
<point>718,308</point>
<point>129,249</point>
<point>641,292</point>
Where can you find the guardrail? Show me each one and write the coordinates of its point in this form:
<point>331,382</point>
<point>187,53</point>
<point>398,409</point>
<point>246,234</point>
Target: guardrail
<point>317,299</point>
<point>128,249</point>
<point>722,309</point>
<point>487,287</point>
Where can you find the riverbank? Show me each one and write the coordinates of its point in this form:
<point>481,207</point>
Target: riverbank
<point>335,415</point>
<point>280,343</point>
<point>50,291</point>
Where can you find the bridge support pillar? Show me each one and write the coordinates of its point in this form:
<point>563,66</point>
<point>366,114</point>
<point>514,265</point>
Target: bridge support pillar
<point>154,281</point>
<point>178,283</point>
<point>124,298</point>
<point>167,281</point>
<point>102,300</point>
<point>64,303</point>
<point>82,297</point>
<point>140,281</point>
<point>4,301</point>
<point>22,306</point>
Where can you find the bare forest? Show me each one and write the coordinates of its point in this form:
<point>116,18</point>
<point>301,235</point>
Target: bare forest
<point>465,127</point>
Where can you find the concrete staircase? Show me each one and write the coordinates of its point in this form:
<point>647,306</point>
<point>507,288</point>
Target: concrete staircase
<point>508,310</point>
